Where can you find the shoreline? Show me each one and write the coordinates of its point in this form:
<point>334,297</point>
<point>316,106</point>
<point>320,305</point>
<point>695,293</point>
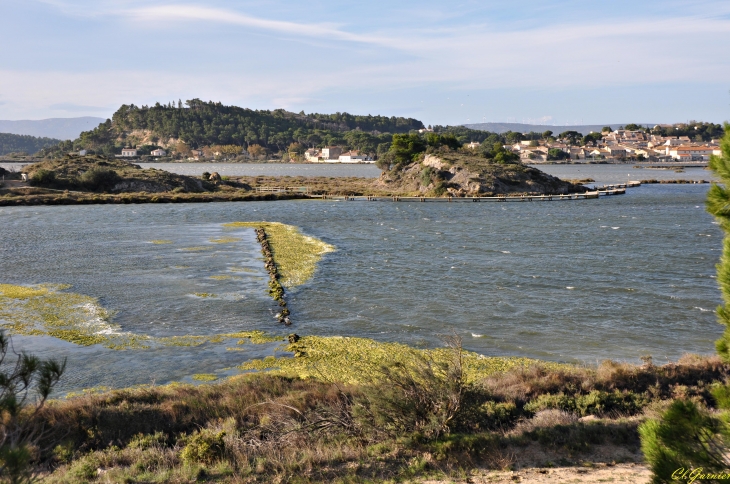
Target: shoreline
<point>140,198</point>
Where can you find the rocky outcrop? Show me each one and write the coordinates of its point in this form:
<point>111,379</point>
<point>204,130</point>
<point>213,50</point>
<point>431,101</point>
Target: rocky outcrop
<point>112,176</point>
<point>461,175</point>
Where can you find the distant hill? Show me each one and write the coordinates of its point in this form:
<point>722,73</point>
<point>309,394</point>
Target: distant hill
<point>540,128</point>
<point>17,143</point>
<point>200,125</point>
<point>60,128</point>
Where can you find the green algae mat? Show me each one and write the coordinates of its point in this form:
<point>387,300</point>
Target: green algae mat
<point>50,310</point>
<point>359,360</point>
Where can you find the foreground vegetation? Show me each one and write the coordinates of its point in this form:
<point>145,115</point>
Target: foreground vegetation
<point>414,418</point>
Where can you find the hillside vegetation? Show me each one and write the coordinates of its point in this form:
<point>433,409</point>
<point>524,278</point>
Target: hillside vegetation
<point>19,143</point>
<point>201,124</point>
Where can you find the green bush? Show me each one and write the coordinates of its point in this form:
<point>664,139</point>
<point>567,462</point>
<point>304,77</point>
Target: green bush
<point>145,441</point>
<point>99,179</point>
<point>43,178</point>
<point>203,447</point>
<point>479,412</point>
<point>426,176</point>
<point>439,189</point>
<point>84,469</point>
<point>595,403</point>
<point>472,445</point>
<point>686,436</point>
<point>64,452</point>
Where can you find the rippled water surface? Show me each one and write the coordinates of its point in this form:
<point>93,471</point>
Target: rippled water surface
<point>623,173</point>
<point>619,277</point>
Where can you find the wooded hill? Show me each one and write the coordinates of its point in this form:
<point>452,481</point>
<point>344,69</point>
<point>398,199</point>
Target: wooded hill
<point>18,143</point>
<point>200,124</point>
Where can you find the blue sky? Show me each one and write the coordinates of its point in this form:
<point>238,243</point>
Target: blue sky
<point>549,62</point>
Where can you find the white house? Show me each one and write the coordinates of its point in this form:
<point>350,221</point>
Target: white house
<point>129,152</point>
<point>473,144</point>
<point>82,152</point>
<point>354,157</point>
<point>158,152</point>
<point>691,153</point>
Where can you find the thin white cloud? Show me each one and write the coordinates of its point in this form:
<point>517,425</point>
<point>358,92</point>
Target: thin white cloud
<point>173,12</point>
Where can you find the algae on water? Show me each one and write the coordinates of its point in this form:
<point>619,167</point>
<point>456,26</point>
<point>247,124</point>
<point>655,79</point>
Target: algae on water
<point>295,254</point>
<point>359,360</point>
<point>45,310</point>
<point>224,277</point>
<point>225,240</point>
<point>204,377</point>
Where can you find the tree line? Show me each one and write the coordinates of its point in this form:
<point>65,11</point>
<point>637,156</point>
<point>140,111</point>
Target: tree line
<point>21,143</point>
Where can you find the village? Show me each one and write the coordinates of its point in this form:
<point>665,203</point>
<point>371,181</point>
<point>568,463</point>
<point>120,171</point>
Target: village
<point>614,147</point>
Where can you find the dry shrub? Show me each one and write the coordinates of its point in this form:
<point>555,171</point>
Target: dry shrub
<point>545,419</point>
<point>523,384</point>
<point>94,421</point>
<point>661,382</point>
<point>424,396</point>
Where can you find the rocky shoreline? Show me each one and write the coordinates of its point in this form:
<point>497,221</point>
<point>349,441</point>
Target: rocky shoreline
<point>45,197</point>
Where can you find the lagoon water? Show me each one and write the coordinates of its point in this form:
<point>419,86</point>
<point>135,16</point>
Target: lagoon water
<point>580,281</point>
<point>365,170</point>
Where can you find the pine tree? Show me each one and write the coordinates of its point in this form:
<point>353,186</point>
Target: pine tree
<point>688,438</point>
<point>718,204</point>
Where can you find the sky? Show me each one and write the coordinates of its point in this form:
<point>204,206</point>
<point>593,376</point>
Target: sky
<point>538,62</point>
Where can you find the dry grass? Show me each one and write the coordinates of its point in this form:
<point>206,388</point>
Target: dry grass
<point>690,376</point>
